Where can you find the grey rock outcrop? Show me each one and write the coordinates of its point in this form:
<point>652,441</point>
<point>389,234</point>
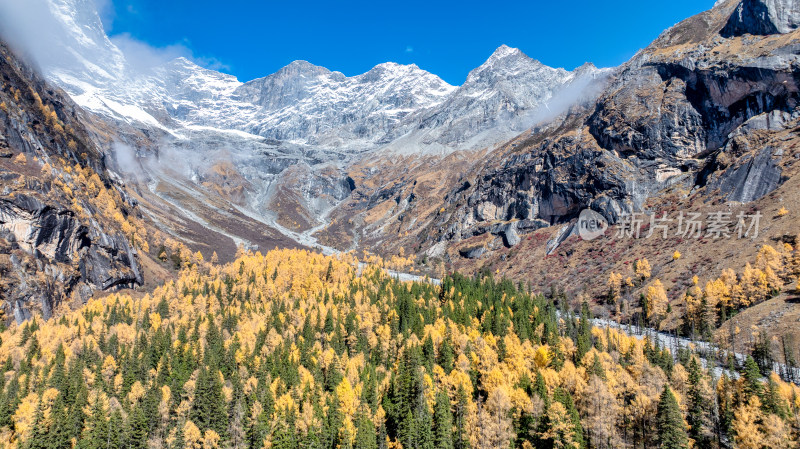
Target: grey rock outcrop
<point>762,17</point>
<point>56,239</point>
<point>510,235</point>
<point>753,178</point>
<point>563,234</point>
<point>473,252</point>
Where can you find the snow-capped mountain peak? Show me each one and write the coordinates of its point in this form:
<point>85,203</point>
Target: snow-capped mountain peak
<point>498,100</point>
<point>306,103</point>
<point>507,62</point>
<point>303,103</point>
<point>301,68</point>
<point>504,51</point>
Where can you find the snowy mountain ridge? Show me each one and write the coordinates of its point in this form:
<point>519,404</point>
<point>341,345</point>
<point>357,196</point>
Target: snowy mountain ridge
<point>301,104</point>
<point>278,149</point>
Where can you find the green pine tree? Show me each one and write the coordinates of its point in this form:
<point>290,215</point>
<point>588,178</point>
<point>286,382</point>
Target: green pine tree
<point>671,428</point>
<point>565,398</point>
<point>446,356</point>
<point>442,422</point>
<point>597,367</point>
<point>116,426</point>
<point>96,431</point>
<point>752,378</point>
<point>696,414</point>
<point>61,430</point>
<point>180,442</point>
<point>584,341</point>
<point>772,399</point>
<point>425,428</point>
<point>407,430</point>
<point>39,438</point>
<point>285,436</point>
<point>365,433</point>
<point>460,437</point>
<point>209,410</point>
<point>136,429</point>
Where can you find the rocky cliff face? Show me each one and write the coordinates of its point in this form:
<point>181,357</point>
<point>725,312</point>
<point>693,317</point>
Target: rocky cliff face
<point>664,119</point>
<point>763,17</point>
<point>54,244</point>
<point>710,115</point>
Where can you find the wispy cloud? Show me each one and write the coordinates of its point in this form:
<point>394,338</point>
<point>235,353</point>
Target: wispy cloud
<point>41,30</point>
<point>25,26</point>
<point>141,55</point>
<point>409,49</point>
<point>105,9</point>
<point>211,63</point>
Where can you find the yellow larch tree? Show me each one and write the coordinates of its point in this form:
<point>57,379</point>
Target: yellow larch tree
<point>642,269</point>
<point>614,287</point>
<point>657,301</point>
<point>746,425</point>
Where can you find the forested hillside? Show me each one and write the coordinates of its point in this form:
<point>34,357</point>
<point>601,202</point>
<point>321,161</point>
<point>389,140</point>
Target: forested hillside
<point>297,350</point>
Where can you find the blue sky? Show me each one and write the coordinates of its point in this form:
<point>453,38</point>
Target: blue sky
<point>251,39</point>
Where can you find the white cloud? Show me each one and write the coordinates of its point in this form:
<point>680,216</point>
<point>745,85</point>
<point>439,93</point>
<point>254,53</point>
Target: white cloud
<point>44,30</point>
<point>141,55</point>
<point>105,8</point>
<point>29,27</point>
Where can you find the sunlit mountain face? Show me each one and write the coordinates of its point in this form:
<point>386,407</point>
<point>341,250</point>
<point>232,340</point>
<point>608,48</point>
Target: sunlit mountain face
<point>537,258</point>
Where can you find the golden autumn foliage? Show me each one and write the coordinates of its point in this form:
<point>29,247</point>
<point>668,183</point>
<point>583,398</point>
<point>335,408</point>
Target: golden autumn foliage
<point>705,305</point>
<point>275,347</point>
<point>642,269</point>
<point>614,285</point>
<point>656,300</point>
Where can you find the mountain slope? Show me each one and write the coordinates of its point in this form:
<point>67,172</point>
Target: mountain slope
<point>301,119</point>
<point>66,225</point>
<point>695,123</point>
<point>308,156</point>
<point>664,120</point>
<point>296,349</point>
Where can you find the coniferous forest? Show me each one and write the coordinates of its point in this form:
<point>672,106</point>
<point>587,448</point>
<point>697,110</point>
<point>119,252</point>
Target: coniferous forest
<point>293,349</point>
<point>613,251</point>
